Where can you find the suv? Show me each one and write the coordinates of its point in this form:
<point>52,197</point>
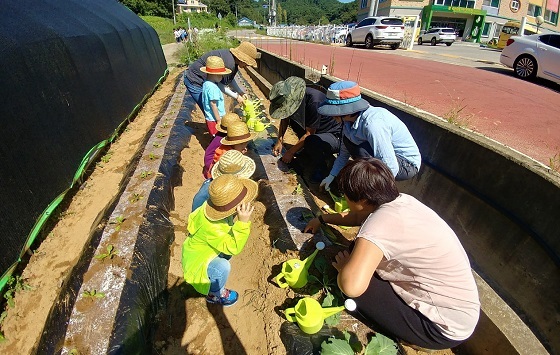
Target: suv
<point>438,35</point>
<point>377,30</point>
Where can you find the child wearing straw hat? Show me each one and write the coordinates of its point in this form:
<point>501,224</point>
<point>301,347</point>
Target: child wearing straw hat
<point>214,236</point>
<point>217,141</point>
<point>213,103</point>
<point>231,162</point>
<point>237,138</point>
<point>234,58</point>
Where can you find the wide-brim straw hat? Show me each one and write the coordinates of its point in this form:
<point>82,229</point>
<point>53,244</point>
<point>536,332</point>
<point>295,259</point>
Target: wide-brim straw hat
<point>226,193</point>
<point>285,97</point>
<point>237,132</point>
<point>235,163</point>
<point>215,65</point>
<point>247,53</point>
<point>227,120</point>
<point>343,98</point>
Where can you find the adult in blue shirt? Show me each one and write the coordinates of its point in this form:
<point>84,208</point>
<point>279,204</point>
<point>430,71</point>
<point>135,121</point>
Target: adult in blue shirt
<point>369,131</point>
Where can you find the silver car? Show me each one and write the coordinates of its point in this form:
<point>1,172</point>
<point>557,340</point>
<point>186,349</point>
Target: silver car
<point>377,30</point>
<point>438,35</point>
<point>533,56</point>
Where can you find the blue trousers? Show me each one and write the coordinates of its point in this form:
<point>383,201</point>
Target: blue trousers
<point>218,273</point>
<point>202,194</point>
<point>195,91</point>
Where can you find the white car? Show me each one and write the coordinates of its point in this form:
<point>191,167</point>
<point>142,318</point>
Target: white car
<point>438,35</point>
<point>533,56</point>
<point>377,30</point>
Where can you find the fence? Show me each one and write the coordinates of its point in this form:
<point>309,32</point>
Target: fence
<point>324,33</point>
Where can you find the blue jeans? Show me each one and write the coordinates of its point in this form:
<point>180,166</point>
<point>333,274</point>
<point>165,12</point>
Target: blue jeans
<point>218,273</point>
<point>202,194</point>
<point>195,91</point>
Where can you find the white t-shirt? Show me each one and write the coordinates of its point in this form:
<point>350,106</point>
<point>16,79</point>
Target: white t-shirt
<point>425,264</point>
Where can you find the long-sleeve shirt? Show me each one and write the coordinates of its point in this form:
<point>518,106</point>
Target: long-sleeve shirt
<point>206,240</point>
<point>196,77</point>
<point>386,134</point>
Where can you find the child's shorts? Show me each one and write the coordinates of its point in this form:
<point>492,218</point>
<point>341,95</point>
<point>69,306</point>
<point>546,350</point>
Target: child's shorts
<point>211,125</point>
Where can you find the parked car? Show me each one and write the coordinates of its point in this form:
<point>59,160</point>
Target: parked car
<point>377,30</point>
<point>438,35</point>
<point>533,56</point>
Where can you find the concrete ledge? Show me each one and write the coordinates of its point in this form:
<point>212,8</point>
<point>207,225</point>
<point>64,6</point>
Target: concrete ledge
<point>502,205</point>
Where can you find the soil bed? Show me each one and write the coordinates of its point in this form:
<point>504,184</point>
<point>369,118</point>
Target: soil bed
<point>190,325</point>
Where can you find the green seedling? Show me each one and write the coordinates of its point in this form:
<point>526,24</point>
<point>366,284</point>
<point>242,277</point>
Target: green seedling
<point>74,352</point>
<point>161,135</point>
<point>298,190</point>
<point>350,345</point>
<point>15,284</point>
<point>93,294</point>
<point>136,197</point>
<point>118,221</point>
<point>111,252</point>
<point>146,174</point>
<point>165,125</point>
<point>152,156</point>
<point>105,159</point>
<point>156,145</point>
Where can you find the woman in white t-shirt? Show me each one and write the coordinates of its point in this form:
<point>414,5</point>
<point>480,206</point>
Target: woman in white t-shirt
<point>406,270</point>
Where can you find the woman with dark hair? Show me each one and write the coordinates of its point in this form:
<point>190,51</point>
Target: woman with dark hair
<point>406,269</point>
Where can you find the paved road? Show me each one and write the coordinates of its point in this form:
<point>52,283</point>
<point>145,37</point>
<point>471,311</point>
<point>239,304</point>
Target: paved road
<point>463,82</point>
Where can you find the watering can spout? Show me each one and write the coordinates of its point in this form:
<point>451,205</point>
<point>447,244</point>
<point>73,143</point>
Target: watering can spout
<point>327,312</point>
<point>309,260</point>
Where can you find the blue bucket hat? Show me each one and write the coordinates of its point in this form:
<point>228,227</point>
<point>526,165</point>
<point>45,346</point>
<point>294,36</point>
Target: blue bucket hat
<point>343,98</point>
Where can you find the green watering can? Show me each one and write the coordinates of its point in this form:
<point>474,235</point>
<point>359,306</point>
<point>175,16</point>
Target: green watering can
<point>294,271</point>
<point>309,315</point>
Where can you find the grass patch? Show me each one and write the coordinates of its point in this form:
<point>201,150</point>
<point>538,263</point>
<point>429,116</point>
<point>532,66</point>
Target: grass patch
<point>207,41</point>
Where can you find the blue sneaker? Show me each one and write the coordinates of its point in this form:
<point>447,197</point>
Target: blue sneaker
<point>228,298</point>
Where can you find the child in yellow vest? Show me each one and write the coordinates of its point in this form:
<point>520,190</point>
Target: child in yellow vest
<point>214,235</point>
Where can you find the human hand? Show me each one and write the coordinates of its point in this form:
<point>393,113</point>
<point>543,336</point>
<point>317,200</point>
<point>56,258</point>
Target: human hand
<point>244,211</point>
<point>287,157</point>
<point>277,149</point>
<point>240,98</point>
<point>312,226</point>
<point>341,259</point>
<point>326,183</point>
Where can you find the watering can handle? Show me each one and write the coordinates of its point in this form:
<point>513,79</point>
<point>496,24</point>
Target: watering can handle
<point>290,314</point>
<point>279,281</point>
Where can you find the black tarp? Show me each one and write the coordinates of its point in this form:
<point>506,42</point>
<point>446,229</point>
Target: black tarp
<point>70,73</point>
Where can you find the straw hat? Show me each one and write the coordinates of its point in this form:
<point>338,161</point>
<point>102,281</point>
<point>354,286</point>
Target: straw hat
<point>234,162</point>
<point>226,193</point>
<point>343,98</point>
<point>286,97</point>
<point>237,132</point>
<point>227,120</point>
<point>215,65</point>
<point>247,53</point>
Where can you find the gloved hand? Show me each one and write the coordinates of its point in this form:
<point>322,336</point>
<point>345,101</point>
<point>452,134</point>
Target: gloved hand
<point>327,182</point>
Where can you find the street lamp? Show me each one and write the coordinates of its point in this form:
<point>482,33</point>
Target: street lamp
<point>539,20</point>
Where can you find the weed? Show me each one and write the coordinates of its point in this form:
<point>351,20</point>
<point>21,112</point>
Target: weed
<point>554,162</point>
<point>118,221</point>
<point>136,197</point>
<point>111,252</point>
<point>454,115</point>
<point>93,294</point>
<point>146,174</point>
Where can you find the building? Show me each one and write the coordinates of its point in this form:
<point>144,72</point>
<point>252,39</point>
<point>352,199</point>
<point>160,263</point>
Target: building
<point>475,20</point>
<point>188,6</point>
<point>245,22</point>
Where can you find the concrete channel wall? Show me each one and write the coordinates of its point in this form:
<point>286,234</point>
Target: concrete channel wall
<point>503,206</point>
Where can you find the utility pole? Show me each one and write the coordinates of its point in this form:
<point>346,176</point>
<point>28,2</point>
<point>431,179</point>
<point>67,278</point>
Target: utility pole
<point>173,9</point>
<point>373,8</point>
